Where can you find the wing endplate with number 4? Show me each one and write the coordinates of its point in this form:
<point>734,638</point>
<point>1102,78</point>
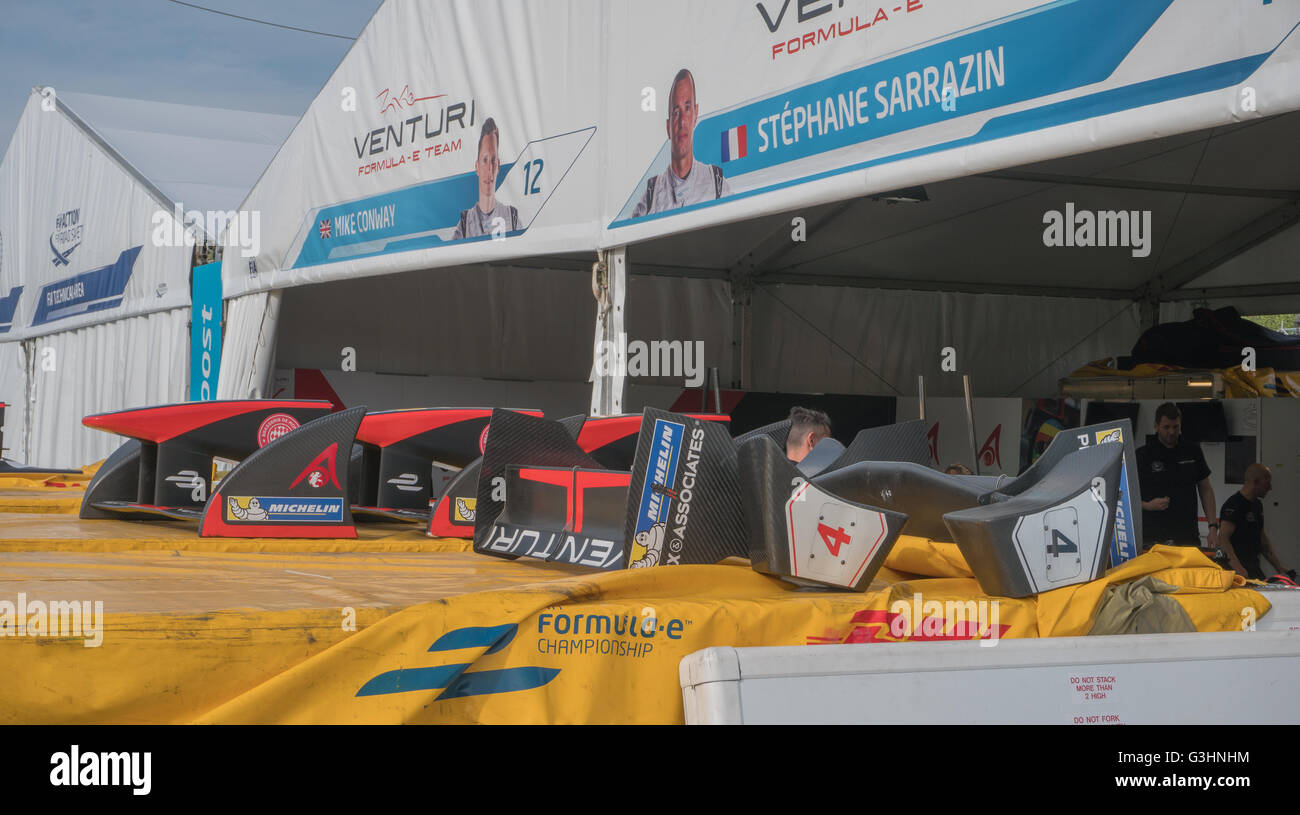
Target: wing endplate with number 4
<point>833,541</point>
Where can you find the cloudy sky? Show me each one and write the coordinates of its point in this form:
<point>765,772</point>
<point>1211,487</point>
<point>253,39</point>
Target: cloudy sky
<point>156,49</point>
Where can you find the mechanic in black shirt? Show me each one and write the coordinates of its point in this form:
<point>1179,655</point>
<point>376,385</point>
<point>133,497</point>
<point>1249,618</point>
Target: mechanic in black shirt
<point>1171,473</point>
<point>1242,532</point>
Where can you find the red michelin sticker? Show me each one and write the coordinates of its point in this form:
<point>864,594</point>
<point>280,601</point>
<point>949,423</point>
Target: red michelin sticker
<point>275,426</point>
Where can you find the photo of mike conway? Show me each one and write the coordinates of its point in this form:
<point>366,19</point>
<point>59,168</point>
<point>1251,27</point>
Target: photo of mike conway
<point>488,215</point>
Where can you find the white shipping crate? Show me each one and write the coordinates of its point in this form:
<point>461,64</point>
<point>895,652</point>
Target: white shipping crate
<point>1219,678</point>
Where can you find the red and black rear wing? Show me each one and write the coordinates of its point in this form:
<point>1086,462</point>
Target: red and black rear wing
<point>165,468</point>
<point>296,487</point>
<point>609,441</point>
<point>541,495</point>
<point>407,457</point>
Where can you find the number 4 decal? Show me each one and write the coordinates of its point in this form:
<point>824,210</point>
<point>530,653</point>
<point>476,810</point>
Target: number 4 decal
<point>1060,543</point>
<point>834,538</point>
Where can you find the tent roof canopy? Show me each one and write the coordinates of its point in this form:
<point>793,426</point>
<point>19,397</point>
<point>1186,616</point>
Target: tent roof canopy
<point>204,159</point>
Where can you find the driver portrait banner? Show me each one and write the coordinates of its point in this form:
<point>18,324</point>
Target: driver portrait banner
<point>471,131</point>
<point>751,107</point>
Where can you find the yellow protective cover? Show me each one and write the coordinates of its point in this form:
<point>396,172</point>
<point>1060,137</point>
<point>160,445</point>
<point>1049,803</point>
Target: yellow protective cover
<point>535,645</point>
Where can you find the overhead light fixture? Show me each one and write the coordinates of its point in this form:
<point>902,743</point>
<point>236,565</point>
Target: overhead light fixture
<point>910,195</point>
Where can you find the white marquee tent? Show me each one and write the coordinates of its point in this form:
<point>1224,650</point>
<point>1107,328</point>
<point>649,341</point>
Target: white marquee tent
<point>94,305</point>
<point>798,255</point>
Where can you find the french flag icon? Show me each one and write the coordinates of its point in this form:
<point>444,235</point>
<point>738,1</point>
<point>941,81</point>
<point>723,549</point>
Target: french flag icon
<point>733,144</point>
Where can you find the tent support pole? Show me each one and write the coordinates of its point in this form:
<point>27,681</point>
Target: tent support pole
<point>742,331</point>
<point>609,358</point>
<point>1150,312</point>
<point>970,422</point>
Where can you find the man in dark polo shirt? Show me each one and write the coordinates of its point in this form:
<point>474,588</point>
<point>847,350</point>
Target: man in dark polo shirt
<point>1171,473</point>
<point>1242,533</point>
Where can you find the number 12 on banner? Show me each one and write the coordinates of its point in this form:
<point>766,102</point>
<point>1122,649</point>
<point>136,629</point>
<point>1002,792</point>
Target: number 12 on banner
<point>533,177</point>
<point>540,168</point>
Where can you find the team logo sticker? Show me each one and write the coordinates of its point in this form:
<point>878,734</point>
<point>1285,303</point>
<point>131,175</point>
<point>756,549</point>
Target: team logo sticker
<point>1106,436</point>
<point>321,470</point>
<point>465,510</point>
<point>275,426</point>
<point>264,509</point>
<point>67,235</point>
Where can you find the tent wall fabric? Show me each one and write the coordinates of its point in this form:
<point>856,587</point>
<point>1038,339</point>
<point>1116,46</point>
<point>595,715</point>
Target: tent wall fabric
<point>248,349</point>
<point>131,362</point>
<point>789,107</point>
<point>841,340</point>
<point>496,322</point>
<point>13,392</point>
<point>79,230</point>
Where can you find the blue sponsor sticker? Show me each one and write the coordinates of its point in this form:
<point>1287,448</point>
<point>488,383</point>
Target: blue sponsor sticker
<point>657,495</point>
<point>1123,545</point>
<point>266,509</point>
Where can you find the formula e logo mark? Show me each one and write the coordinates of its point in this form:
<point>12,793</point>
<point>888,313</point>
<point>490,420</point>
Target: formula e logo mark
<point>406,482</point>
<point>321,470</point>
<point>192,481</point>
<point>457,681</point>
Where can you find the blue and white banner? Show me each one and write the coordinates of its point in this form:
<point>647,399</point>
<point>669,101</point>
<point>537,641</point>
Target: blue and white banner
<point>8,307</point>
<point>469,131</point>
<point>205,332</point>
<point>803,102</point>
<point>440,212</point>
<point>88,292</point>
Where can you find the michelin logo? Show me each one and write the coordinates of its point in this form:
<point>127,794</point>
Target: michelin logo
<point>284,510</point>
<point>648,547</point>
<point>466,509</point>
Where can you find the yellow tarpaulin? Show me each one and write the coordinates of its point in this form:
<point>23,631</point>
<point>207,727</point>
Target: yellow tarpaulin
<point>496,641</point>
